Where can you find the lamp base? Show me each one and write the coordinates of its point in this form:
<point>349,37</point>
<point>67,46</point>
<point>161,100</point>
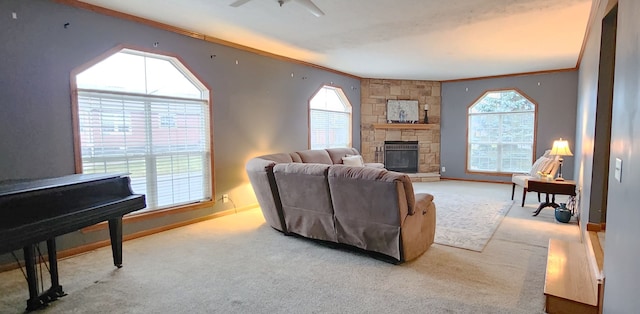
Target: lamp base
<point>560,178</point>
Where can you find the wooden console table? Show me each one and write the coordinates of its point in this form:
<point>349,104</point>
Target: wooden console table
<point>566,187</point>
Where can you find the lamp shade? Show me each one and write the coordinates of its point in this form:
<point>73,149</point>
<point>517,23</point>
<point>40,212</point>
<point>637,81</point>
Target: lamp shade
<point>560,148</point>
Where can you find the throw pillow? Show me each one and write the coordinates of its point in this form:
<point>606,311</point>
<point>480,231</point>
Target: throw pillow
<point>539,165</point>
<point>353,160</point>
<point>359,156</point>
<point>550,165</point>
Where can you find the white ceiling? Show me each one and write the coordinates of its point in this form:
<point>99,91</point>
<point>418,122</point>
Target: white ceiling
<point>393,39</point>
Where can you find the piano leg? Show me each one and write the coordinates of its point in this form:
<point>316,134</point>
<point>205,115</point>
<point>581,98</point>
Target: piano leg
<point>34,301</point>
<point>55,291</point>
<point>37,301</point>
<point>115,232</point>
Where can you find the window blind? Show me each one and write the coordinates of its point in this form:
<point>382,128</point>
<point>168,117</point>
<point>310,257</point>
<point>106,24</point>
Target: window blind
<point>500,142</point>
<point>163,142</point>
<point>329,129</point>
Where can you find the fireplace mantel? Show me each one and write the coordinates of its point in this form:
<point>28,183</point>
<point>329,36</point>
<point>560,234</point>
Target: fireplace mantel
<point>406,126</point>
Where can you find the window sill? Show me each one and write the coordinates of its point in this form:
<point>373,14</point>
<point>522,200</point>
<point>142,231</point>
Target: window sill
<point>151,215</point>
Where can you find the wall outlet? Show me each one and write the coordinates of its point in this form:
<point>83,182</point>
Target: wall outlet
<point>225,198</point>
<point>444,169</point>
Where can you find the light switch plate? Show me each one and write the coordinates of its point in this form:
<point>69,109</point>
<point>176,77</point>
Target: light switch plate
<point>618,171</point>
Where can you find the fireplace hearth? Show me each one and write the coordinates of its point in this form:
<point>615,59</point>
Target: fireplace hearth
<point>401,156</point>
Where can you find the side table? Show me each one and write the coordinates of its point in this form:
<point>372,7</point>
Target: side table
<point>566,187</point>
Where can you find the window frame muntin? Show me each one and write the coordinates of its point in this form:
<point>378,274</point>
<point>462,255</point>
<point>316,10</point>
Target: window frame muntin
<point>77,152</point>
<point>535,130</point>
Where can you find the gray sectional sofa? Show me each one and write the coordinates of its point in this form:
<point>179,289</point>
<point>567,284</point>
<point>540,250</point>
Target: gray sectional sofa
<point>312,194</point>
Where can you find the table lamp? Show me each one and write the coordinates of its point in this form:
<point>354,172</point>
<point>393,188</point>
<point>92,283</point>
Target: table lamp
<point>560,148</point>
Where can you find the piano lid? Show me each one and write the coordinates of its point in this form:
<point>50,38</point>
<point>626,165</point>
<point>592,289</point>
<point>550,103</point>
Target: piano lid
<point>13,187</point>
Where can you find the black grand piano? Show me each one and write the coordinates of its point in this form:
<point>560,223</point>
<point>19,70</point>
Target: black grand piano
<point>33,211</point>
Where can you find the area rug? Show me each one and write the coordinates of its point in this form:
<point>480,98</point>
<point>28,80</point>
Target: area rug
<point>467,222</point>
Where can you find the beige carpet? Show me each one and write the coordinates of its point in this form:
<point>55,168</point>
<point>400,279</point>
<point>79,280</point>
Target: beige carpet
<point>237,264</point>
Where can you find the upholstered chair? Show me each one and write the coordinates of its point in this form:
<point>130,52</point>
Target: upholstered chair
<point>544,167</point>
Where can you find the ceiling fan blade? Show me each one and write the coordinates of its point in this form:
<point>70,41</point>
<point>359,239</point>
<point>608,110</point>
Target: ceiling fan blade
<point>311,7</point>
<point>238,3</point>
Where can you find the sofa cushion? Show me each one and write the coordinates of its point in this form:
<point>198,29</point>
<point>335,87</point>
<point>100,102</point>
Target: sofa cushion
<point>295,157</point>
<point>315,156</point>
<point>311,169</point>
<point>336,154</point>
<point>277,157</point>
<point>521,179</point>
<point>306,201</point>
<point>376,174</point>
<point>370,206</point>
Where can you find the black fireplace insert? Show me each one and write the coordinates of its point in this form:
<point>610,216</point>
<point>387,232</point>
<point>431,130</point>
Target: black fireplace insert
<point>401,156</point>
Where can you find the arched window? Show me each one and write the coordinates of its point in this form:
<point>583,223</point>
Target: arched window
<point>146,114</point>
<point>501,132</point>
<point>329,119</point>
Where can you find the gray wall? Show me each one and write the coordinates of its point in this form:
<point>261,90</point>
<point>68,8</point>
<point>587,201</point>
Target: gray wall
<point>257,106</point>
<point>622,251</point>
<point>555,94</point>
<point>586,118</point>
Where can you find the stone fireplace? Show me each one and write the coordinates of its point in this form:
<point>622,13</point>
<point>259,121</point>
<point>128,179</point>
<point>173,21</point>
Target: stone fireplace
<point>375,130</point>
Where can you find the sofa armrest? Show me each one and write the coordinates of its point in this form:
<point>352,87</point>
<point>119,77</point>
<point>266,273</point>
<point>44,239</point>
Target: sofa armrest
<point>423,201</point>
<point>260,172</point>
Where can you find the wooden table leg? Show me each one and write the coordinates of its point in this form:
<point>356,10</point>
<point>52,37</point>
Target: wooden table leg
<point>546,203</point>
